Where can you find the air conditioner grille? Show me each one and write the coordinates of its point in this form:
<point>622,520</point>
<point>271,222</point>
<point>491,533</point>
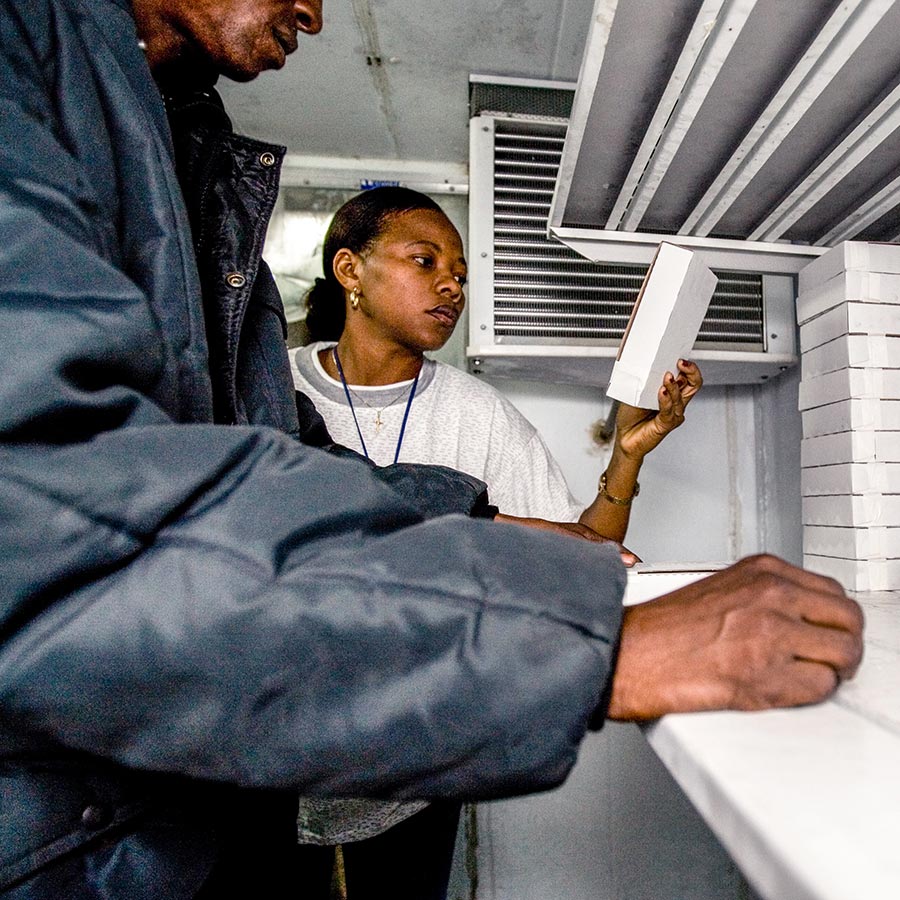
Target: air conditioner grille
<point>545,292</point>
<point>486,96</point>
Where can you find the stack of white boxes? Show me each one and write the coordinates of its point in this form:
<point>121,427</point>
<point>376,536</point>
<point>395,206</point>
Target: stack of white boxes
<point>849,313</point>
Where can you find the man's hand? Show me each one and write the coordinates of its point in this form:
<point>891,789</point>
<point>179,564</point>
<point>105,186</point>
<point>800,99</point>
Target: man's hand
<point>570,529</point>
<point>759,634</point>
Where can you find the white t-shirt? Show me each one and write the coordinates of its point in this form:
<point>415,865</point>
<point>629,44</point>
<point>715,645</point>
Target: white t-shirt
<point>454,420</point>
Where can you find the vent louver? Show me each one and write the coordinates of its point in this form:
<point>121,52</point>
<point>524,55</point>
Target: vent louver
<point>545,292</point>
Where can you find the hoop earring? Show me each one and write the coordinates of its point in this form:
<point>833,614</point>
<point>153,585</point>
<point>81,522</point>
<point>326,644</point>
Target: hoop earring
<point>354,298</point>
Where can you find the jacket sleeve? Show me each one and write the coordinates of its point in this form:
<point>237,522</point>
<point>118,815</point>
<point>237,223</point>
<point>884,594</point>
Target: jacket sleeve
<point>434,490</point>
<point>221,603</point>
<point>224,603</point>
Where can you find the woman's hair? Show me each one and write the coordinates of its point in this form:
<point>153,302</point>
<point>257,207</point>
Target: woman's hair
<point>356,226</point>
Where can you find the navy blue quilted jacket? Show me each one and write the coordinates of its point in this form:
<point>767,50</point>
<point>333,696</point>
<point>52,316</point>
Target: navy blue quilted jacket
<point>195,615</point>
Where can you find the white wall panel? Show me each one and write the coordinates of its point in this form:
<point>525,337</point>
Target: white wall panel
<point>724,485</point>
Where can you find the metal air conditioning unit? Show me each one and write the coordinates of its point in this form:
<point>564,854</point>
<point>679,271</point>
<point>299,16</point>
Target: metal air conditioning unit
<point>757,132</point>
<point>539,310</point>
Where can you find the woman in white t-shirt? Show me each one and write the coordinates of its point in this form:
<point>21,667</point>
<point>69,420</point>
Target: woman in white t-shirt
<point>394,271</point>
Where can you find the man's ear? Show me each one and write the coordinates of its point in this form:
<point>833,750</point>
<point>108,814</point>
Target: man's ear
<point>345,267</point>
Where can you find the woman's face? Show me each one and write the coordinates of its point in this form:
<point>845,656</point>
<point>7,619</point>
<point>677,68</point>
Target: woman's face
<point>411,282</point>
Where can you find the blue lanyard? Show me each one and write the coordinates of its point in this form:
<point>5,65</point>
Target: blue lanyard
<point>412,393</point>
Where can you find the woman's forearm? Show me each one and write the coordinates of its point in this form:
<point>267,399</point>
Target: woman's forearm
<point>610,511</point>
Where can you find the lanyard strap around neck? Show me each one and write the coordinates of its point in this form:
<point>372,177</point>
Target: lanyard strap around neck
<point>412,393</point>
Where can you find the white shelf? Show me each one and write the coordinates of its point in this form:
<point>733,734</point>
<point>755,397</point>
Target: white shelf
<point>807,801</point>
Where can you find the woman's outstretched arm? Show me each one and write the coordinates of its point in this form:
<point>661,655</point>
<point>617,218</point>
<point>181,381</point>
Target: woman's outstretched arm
<point>638,431</point>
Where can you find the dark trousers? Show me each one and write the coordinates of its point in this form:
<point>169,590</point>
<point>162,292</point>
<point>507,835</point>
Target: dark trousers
<point>410,861</point>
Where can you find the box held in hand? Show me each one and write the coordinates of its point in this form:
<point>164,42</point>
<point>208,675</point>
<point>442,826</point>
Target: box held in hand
<point>664,325</point>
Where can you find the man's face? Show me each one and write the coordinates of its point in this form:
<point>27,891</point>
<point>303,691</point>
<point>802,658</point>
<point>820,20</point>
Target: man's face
<point>239,38</point>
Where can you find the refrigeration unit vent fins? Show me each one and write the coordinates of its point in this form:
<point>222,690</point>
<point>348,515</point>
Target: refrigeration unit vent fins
<point>520,99</point>
<point>545,292</point>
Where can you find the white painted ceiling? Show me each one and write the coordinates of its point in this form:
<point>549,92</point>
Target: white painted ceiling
<point>388,79</point>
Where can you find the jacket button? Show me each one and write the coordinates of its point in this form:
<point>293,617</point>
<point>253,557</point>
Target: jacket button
<point>267,159</point>
<point>95,816</point>
<point>235,279</point>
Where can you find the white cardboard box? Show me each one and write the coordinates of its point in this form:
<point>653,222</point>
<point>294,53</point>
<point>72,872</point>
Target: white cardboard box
<point>664,325</point>
<point>857,575</point>
<point>850,446</point>
<point>848,384</point>
<point>852,509</point>
<point>850,478</point>
<point>647,581</point>
<point>850,318</point>
<point>851,415</point>
<point>852,542</point>
<point>867,256</point>
<point>863,287</point>
<point>855,351</point>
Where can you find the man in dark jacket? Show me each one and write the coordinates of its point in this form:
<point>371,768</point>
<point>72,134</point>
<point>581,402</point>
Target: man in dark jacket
<point>196,615</point>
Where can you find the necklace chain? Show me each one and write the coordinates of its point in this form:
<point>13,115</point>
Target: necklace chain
<point>380,410</point>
